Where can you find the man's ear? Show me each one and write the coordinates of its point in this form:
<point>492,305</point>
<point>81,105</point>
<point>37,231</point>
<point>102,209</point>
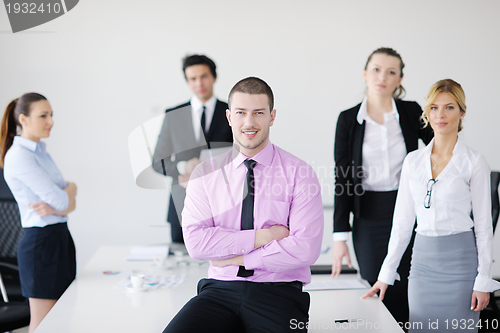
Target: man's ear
<point>273,116</point>
<point>228,116</point>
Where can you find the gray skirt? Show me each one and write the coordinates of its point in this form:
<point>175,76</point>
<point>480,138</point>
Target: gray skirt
<point>443,270</point>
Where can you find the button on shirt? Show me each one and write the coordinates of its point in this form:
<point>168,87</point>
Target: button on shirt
<point>32,176</point>
<point>287,192</point>
<point>463,186</point>
<point>384,150</point>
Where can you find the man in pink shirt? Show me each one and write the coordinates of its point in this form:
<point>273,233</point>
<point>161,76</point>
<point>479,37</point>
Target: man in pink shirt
<point>256,213</point>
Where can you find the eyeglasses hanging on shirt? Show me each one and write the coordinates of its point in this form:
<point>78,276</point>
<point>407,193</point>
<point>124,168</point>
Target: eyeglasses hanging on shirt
<point>427,199</point>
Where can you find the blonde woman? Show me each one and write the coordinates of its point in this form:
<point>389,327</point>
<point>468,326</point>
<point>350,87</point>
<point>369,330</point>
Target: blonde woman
<point>441,185</point>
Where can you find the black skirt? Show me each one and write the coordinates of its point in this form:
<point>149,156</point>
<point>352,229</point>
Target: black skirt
<point>47,261</point>
<point>371,232</point>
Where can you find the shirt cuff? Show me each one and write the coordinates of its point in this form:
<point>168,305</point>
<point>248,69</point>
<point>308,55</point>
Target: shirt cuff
<point>388,277</point>
<point>253,260</point>
<point>181,167</point>
<point>341,236</point>
<point>485,284</point>
<point>245,241</point>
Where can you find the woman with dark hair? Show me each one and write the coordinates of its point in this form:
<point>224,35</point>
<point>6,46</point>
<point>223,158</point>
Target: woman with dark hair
<point>371,142</point>
<point>441,185</point>
<point>46,253</point>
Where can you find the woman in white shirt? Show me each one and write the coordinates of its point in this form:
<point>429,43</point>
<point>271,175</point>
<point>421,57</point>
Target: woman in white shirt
<point>371,142</point>
<point>441,185</point>
<point>46,253</point>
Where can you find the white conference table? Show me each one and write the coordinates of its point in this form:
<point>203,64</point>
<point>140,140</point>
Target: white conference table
<point>92,303</point>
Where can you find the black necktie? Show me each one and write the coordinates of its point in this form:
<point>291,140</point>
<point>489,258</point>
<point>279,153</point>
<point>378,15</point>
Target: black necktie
<point>203,121</point>
<point>247,208</point>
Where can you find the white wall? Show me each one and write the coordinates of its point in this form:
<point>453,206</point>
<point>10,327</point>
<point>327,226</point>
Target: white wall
<point>108,66</point>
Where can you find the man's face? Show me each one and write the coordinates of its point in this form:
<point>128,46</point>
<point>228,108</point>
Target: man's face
<point>250,120</point>
<point>201,81</point>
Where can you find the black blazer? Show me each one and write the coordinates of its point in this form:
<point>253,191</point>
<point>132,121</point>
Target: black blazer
<point>177,142</point>
<point>348,154</point>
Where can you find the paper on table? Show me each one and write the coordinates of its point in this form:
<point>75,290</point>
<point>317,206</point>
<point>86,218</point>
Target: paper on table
<point>335,285</point>
<point>147,253</point>
<point>155,281</point>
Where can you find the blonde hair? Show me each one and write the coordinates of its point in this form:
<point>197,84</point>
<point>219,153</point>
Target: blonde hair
<point>451,87</point>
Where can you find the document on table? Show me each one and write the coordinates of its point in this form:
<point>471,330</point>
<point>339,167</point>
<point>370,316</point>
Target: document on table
<point>335,285</point>
<point>147,253</point>
<point>155,281</point>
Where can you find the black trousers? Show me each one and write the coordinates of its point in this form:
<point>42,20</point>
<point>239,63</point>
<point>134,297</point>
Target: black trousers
<point>242,306</point>
<point>371,232</point>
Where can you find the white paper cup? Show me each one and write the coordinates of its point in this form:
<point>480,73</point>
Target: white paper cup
<point>137,281</point>
<point>160,261</point>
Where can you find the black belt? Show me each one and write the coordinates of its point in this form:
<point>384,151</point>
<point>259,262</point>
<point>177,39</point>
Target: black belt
<point>295,284</point>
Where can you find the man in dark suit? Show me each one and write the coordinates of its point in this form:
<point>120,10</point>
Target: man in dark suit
<point>187,130</point>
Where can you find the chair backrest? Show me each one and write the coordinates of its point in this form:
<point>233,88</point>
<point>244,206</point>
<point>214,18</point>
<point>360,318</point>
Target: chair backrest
<point>495,201</point>
<point>5,192</point>
<point>10,225</point>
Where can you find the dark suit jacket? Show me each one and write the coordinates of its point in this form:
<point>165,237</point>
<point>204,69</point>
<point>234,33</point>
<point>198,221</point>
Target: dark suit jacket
<point>348,154</point>
<point>177,142</point>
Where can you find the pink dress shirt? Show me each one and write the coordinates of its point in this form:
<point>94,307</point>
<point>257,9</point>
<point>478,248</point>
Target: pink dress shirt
<point>287,192</point>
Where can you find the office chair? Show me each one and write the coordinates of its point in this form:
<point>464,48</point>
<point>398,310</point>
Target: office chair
<point>495,201</point>
<point>492,311</point>
<point>14,308</point>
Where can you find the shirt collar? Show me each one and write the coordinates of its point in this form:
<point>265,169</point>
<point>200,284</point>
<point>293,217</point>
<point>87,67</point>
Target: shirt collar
<point>196,104</point>
<point>29,144</point>
<point>264,157</point>
<point>459,148</point>
<point>363,111</point>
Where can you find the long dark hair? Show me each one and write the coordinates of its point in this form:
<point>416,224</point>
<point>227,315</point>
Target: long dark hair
<point>400,92</point>
<point>10,120</point>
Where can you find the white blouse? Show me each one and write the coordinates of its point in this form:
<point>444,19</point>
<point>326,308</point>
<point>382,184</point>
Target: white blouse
<point>33,176</point>
<point>384,150</point>
<point>463,186</point>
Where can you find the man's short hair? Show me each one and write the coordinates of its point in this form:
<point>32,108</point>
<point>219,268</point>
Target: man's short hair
<point>197,59</point>
<point>253,86</point>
